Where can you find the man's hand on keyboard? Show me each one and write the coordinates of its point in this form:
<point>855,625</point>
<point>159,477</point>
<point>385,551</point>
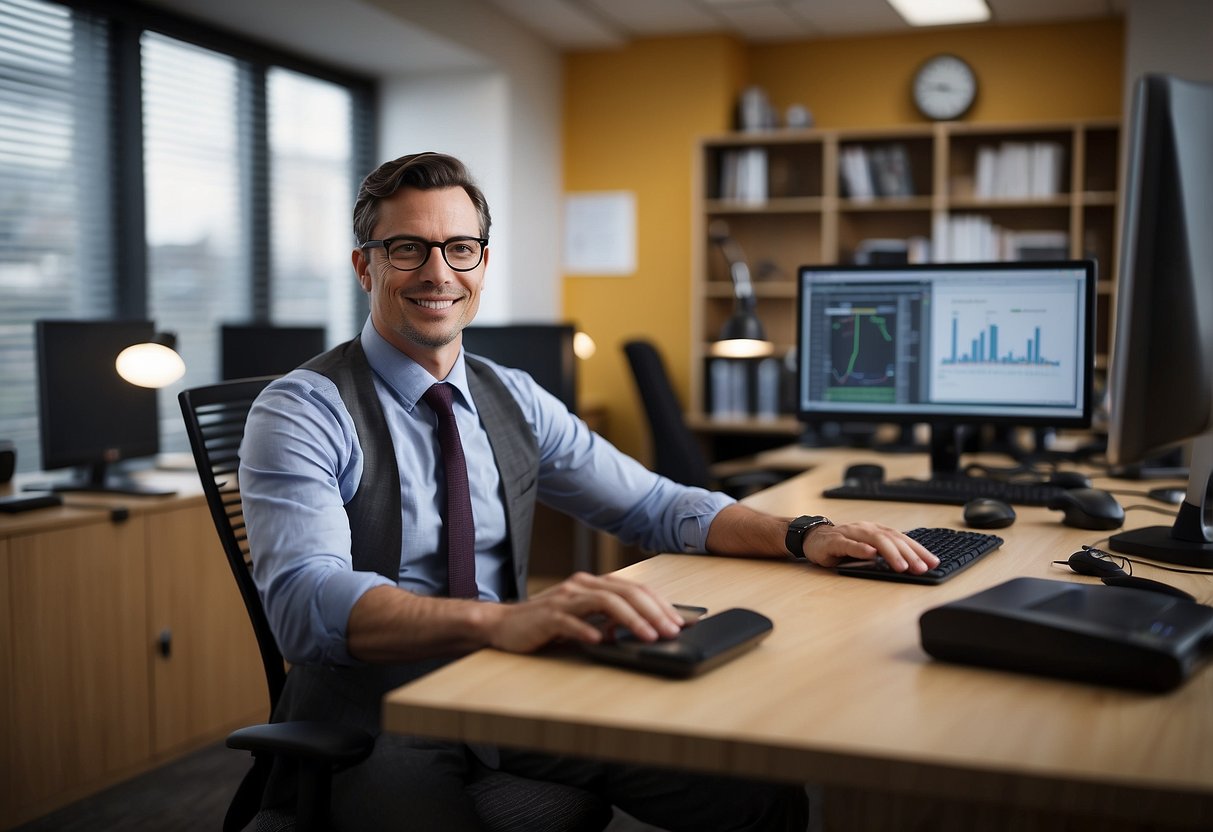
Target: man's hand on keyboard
<point>829,545</point>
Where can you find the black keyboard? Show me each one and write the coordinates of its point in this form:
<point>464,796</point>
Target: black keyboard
<point>11,504</point>
<point>954,491</point>
<point>955,549</point>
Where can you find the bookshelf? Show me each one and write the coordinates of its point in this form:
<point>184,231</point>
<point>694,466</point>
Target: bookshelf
<point>946,191</point>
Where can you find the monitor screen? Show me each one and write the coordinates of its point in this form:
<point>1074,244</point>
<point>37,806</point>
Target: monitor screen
<point>947,344</point>
<point>88,416</point>
<point>1161,384</point>
<point>251,350</point>
<point>545,351</point>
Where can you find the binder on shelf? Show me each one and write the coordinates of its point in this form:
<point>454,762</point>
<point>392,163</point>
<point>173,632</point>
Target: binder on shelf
<point>878,171</point>
<point>1019,170</point>
<point>743,175</point>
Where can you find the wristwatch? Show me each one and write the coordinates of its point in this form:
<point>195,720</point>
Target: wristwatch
<point>799,529</point>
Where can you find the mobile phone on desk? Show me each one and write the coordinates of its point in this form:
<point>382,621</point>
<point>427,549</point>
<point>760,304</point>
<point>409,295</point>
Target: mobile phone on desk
<point>712,641</point>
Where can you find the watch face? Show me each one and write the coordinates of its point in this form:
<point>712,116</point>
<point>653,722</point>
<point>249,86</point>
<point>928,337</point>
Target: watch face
<point>944,87</point>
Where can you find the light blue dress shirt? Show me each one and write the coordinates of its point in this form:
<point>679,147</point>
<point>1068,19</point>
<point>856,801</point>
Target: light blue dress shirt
<point>300,464</point>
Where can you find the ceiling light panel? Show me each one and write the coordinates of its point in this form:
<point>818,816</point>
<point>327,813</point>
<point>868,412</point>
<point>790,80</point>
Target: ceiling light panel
<point>941,12</point>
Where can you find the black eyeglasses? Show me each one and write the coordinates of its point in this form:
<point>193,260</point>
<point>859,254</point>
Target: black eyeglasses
<point>405,253</point>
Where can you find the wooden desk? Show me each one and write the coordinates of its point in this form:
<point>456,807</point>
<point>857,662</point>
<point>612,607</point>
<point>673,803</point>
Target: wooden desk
<point>841,694</point>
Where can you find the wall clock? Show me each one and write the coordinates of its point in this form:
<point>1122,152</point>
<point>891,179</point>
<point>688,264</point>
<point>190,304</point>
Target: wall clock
<point>944,88</point>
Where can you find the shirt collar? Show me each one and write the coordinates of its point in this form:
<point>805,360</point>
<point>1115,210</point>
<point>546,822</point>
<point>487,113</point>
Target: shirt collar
<point>408,379</point>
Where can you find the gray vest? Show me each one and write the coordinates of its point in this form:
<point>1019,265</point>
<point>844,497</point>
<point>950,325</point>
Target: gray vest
<point>352,694</point>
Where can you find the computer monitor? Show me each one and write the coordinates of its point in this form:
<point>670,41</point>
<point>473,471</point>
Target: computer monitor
<point>950,345</point>
<point>88,416</point>
<point>251,350</point>
<point>545,351</point>
<point>1161,384</point>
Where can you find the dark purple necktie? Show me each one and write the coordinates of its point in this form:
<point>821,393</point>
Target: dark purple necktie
<point>457,516</point>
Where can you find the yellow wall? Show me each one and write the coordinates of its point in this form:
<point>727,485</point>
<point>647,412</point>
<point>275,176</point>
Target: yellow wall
<point>632,117</point>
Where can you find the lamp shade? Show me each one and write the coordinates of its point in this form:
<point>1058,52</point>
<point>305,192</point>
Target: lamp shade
<point>742,336</point>
<point>154,363</point>
<point>583,345</point>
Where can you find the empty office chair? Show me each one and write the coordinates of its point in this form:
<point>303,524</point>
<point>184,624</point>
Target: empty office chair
<point>677,453</point>
<point>214,419</point>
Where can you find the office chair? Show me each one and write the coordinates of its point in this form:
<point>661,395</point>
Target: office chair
<point>676,452</point>
<point>214,419</point>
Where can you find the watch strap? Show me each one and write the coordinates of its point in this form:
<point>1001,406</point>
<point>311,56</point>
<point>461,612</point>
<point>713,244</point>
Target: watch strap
<point>799,529</point>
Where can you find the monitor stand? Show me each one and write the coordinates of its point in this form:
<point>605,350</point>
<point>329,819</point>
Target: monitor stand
<point>947,444</point>
<point>1189,542</point>
<point>100,480</point>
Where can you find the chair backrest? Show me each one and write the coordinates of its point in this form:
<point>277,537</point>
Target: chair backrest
<point>676,452</point>
<point>214,421</point>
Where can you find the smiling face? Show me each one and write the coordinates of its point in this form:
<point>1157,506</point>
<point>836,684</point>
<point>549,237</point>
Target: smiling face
<point>423,312</point>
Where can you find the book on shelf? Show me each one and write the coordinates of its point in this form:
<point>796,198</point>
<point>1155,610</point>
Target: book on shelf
<point>1019,170</point>
<point>744,388</point>
<point>743,175</point>
<point>876,171</point>
<point>974,238</point>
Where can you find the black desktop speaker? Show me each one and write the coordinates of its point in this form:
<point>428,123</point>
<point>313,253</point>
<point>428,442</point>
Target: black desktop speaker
<point>8,460</point>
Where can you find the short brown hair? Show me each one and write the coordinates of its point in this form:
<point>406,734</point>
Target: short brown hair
<point>418,170</point>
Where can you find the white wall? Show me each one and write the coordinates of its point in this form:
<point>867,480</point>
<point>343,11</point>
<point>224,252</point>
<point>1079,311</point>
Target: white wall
<point>510,137</point>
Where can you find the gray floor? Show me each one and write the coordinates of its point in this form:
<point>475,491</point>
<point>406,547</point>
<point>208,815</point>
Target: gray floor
<point>188,795</point>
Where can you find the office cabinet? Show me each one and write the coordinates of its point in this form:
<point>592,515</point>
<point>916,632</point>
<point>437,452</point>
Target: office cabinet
<point>941,192</point>
<point>79,685</point>
<point>89,697</point>
<point>206,671</point>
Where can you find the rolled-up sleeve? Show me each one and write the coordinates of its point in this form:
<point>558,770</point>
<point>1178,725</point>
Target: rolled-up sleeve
<point>299,464</point>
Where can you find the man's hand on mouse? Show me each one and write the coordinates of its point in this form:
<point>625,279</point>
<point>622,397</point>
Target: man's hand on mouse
<point>570,610</point>
<point>829,545</point>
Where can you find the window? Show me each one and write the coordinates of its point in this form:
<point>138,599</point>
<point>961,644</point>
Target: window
<point>150,168</point>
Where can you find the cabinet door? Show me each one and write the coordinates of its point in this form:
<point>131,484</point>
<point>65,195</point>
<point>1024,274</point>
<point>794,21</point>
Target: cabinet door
<point>79,684</point>
<point>8,764</point>
<point>211,679</point>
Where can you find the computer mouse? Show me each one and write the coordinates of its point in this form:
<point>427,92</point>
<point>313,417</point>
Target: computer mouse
<point>863,472</point>
<point>1174,496</point>
<point>988,513</point>
<point>1087,562</point>
<point>1069,479</point>
<point>1088,508</point>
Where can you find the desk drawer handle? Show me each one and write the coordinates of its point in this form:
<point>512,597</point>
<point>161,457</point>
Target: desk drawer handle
<point>164,643</point>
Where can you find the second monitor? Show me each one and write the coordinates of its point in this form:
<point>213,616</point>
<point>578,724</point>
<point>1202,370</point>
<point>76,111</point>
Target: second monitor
<point>948,344</point>
<point>251,350</point>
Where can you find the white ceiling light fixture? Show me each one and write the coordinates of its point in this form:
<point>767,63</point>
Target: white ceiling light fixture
<point>941,12</point>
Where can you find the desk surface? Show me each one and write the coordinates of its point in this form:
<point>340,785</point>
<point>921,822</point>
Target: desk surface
<point>83,507</point>
<point>842,694</point>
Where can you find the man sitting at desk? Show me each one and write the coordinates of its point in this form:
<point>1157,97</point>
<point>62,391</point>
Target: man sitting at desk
<point>361,474</point>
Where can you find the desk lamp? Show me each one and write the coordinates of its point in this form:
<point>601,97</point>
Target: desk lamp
<point>153,363</point>
<point>742,335</point>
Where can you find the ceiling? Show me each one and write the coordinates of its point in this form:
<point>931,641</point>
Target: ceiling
<point>382,38</point>
<point>590,24</point>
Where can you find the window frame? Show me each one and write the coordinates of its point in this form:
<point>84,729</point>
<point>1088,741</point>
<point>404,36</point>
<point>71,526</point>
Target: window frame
<point>128,20</point>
